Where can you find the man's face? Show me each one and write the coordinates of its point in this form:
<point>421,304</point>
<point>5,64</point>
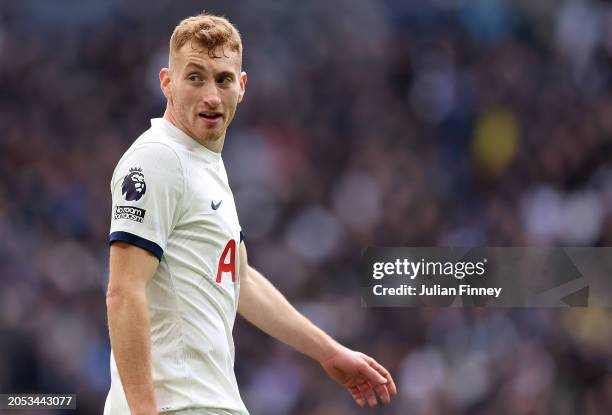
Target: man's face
<point>203,92</point>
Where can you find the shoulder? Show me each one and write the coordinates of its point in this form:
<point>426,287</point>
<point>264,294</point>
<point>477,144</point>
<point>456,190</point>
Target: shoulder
<point>154,147</point>
<point>153,160</point>
<point>154,152</point>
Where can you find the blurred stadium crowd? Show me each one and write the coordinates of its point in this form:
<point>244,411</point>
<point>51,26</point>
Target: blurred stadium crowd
<point>447,122</point>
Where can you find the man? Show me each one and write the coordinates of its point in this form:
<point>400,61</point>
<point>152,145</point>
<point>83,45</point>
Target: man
<point>178,262</point>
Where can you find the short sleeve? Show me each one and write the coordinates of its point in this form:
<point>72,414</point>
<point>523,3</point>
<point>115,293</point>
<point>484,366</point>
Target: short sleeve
<point>147,188</point>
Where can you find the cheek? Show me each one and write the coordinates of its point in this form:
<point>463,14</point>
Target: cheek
<point>185,100</point>
<point>182,94</point>
<point>232,99</point>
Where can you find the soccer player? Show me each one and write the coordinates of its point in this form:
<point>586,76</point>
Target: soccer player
<point>178,262</point>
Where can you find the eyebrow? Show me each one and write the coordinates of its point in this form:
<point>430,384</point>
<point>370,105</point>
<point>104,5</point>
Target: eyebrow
<point>203,69</point>
<point>196,65</point>
<point>226,73</point>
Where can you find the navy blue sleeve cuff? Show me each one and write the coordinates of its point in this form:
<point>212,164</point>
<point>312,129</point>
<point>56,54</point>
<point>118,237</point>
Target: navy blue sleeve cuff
<point>132,239</point>
<point>241,236</point>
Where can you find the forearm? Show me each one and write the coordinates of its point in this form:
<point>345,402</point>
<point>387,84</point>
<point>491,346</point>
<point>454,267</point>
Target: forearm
<point>129,329</point>
<point>265,307</point>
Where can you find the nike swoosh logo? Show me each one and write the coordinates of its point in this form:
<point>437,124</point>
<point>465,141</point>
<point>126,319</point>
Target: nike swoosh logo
<point>214,205</point>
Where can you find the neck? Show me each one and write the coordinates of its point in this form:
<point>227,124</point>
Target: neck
<point>213,145</point>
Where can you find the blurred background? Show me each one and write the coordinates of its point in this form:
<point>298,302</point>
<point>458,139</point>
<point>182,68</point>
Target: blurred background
<point>387,123</point>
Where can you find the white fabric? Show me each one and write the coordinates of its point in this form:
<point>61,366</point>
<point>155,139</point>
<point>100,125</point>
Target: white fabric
<point>191,315</point>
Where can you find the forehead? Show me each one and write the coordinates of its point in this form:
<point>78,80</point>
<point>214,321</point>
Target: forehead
<point>225,59</point>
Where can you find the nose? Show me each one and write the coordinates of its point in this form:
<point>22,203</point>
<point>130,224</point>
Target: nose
<point>211,95</point>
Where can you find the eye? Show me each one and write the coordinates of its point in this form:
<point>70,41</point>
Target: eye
<point>194,77</point>
<point>224,80</point>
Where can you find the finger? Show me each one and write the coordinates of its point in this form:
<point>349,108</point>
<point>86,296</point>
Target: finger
<point>383,394</point>
<point>366,390</point>
<point>384,372</point>
<point>357,396</point>
<point>371,374</point>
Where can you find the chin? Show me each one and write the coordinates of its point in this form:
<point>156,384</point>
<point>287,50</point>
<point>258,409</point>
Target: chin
<point>208,134</point>
<point>211,137</point>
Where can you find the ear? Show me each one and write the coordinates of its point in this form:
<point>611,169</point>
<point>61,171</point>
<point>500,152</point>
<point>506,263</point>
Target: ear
<point>243,82</point>
<point>164,82</point>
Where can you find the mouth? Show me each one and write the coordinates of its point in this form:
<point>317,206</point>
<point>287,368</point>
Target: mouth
<point>210,116</point>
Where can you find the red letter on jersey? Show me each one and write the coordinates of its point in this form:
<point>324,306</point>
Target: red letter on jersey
<point>229,266</point>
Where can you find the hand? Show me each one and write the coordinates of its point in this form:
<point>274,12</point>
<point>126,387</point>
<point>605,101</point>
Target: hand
<point>361,375</point>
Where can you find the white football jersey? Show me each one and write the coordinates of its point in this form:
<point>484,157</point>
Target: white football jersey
<point>171,197</point>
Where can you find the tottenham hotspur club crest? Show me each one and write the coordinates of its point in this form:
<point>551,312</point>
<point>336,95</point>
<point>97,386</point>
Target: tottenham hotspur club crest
<point>134,186</point>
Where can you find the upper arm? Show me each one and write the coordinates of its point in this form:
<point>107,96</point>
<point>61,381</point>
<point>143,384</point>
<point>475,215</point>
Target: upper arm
<point>147,191</point>
<point>130,268</point>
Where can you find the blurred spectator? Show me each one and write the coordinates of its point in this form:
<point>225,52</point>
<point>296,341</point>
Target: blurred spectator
<point>365,123</point>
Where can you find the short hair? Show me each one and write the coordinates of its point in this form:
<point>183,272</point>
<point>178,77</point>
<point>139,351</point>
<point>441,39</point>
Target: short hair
<point>207,31</point>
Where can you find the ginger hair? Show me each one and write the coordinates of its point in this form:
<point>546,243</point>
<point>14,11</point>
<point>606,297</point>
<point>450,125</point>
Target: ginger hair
<point>206,31</point>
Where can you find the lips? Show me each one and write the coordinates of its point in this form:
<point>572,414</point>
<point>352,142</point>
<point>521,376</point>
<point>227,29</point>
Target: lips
<point>210,115</point>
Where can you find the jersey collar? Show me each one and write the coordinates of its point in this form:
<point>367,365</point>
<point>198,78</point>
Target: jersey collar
<point>177,135</point>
